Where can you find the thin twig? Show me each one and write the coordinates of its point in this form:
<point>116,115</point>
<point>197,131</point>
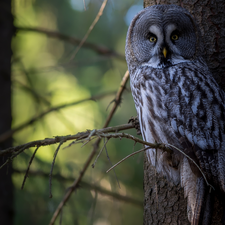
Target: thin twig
<point>101,133</point>
<point>9,133</point>
<point>111,164</point>
<point>89,137</point>
<point>19,149</point>
<point>84,5</point>
<point>90,29</point>
<point>79,140</point>
<point>13,154</point>
<point>91,220</point>
<point>194,163</point>
<point>86,185</point>
<point>78,136</point>
<point>5,163</point>
<point>31,90</point>
<point>28,168</point>
<point>102,50</point>
<point>31,87</point>
<point>128,156</point>
<point>93,165</point>
<point>93,152</point>
<point>53,163</point>
<point>162,148</point>
<point>118,97</point>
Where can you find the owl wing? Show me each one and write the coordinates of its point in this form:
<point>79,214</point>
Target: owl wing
<point>196,114</point>
<point>184,106</point>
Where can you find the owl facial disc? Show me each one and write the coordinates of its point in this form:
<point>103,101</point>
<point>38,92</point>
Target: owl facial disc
<point>162,37</point>
<point>163,42</point>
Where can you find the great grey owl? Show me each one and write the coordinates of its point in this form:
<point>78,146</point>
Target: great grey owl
<point>178,102</point>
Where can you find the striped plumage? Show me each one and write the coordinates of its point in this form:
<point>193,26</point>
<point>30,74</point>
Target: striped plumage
<point>178,102</point>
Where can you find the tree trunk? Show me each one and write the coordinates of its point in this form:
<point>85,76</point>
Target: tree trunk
<point>165,203</point>
<point>6,186</point>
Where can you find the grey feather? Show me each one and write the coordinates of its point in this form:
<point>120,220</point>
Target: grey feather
<point>178,101</point>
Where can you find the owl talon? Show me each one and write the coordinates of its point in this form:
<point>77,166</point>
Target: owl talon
<point>136,124</point>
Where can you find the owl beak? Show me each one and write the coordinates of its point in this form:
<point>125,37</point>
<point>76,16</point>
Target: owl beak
<point>164,52</point>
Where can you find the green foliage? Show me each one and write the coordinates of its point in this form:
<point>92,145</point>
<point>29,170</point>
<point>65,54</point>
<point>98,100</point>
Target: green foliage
<point>43,77</point>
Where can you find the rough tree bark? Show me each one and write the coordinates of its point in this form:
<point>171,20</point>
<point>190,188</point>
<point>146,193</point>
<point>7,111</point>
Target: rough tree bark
<point>6,186</point>
<point>165,203</point>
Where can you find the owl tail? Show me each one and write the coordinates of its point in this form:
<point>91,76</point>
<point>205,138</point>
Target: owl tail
<point>204,204</point>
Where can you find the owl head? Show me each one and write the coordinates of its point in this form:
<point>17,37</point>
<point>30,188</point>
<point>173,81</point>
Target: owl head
<point>162,36</point>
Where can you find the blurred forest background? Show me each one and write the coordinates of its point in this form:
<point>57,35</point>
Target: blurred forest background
<point>45,75</point>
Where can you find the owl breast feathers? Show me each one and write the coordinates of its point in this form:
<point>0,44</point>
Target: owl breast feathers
<point>178,102</point>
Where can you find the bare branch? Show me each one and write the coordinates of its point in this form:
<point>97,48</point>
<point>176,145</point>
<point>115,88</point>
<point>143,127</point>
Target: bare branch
<point>163,147</point>
<point>31,90</point>
<point>27,171</point>
<point>102,50</point>
<point>58,139</point>
<point>128,156</point>
<point>87,185</point>
<point>53,162</point>
<point>9,133</point>
<point>194,163</point>
<point>94,150</point>
<point>102,133</point>
<point>111,164</point>
<point>93,165</point>
<point>118,97</point>
<point>90,29</point>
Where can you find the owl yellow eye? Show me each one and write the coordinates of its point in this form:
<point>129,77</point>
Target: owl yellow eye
<point>174,37</point>
<point>152,39</point>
